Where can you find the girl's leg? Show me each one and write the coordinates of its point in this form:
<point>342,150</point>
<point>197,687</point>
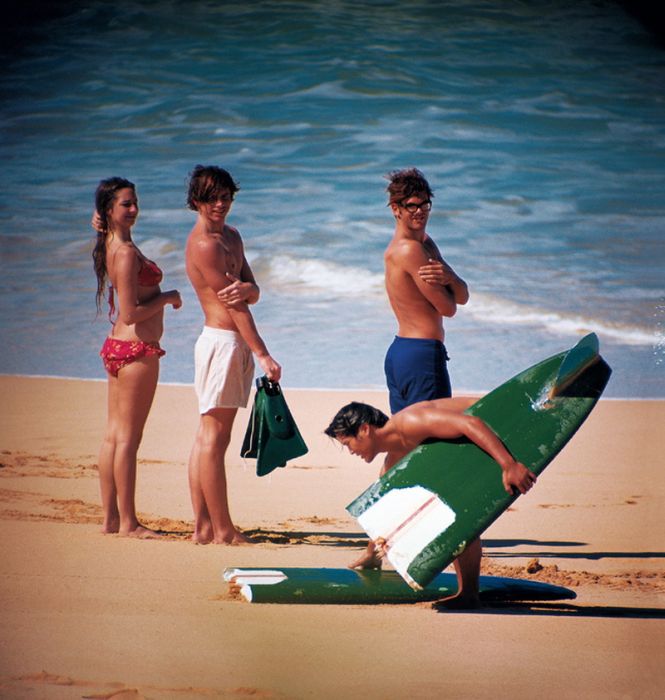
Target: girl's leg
<point>105,464</point>
<point>136,389</point>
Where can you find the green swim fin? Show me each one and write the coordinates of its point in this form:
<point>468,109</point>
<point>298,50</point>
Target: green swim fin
<point>272,436</point>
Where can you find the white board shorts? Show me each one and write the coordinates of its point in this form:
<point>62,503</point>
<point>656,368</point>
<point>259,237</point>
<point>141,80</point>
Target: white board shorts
<point>223,369</point>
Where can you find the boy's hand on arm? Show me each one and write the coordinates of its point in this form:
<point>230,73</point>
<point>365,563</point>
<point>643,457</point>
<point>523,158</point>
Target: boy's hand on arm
<point>411,260</point>
<point>439,272</point>
<point>238,292</point>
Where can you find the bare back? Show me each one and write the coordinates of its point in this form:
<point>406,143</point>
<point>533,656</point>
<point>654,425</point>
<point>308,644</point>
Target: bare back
<point>440,419</point>
<point>417,305</point>
<point>208,257</point>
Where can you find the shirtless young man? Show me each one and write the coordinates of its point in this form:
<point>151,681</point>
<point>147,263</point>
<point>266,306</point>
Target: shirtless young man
<point>365,431</point>
<point>224,367</point>
<point>422,288</point>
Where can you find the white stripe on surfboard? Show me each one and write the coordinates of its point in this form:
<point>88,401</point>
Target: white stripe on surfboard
<point>407,520</point>
<point>264,577</point>
<point>394,534</point>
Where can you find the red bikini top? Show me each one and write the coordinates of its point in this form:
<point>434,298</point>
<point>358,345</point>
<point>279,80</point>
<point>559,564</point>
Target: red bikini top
<point>149,276</point>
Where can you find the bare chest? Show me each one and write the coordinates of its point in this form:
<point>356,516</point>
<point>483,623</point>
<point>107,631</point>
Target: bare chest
<point>229,254</point>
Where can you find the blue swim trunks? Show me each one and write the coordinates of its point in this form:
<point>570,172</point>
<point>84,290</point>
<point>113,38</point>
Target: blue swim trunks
<point>416,370</point>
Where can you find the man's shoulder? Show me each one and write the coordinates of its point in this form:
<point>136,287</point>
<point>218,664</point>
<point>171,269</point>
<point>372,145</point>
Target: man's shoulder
<point>231,230</point>
<point>201,246</point>
<point>402,249</point>
<point>231,236</point>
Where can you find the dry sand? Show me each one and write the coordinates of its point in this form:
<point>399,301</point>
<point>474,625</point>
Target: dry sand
<point>94,616</point>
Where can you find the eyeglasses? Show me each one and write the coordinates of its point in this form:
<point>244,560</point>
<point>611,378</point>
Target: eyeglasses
<point>214,198</point>
<point>412,207</point>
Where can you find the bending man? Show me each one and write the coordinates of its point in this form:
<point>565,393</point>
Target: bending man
<point>366,431</point>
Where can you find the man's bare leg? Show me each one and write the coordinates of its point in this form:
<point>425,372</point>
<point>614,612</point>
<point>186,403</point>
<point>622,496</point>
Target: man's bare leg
<point>213,440</point>
<point>467,567</point>
<point>202,526</point>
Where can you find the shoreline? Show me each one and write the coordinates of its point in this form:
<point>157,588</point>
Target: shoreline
<point>91,615</point>
<point>345,390</point>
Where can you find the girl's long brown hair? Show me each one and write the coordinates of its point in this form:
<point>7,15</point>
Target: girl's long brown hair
<point>104,196</point>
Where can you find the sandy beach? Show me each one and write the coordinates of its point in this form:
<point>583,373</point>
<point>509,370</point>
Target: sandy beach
<point>87,615</point>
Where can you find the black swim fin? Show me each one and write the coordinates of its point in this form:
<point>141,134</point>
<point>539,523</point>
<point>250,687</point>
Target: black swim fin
<point>272,436</point>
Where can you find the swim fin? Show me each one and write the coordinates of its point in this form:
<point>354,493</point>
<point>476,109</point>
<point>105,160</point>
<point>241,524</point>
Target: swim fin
<point>272,436</point>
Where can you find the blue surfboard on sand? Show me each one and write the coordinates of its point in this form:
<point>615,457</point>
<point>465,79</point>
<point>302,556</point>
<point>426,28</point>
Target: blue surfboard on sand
<point>366,587</point>
<point>444,494</point>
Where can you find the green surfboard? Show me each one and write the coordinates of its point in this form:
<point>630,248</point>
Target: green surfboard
<point>444,494</point>
<point>366,587</point>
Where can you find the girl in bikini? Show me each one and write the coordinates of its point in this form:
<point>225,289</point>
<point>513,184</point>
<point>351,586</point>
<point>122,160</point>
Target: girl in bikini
<point>131,352</point>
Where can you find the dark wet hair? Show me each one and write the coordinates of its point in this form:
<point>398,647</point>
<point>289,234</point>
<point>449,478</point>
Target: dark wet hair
<point>406,183</point>
<point>104,197</point>
<point>208,181</point>
<point>349,418</point>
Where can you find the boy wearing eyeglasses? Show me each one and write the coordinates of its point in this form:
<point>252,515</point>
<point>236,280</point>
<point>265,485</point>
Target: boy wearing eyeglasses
<point>422,289</point>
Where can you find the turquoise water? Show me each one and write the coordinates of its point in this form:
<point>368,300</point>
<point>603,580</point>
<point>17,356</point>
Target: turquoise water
<point>541,127</point>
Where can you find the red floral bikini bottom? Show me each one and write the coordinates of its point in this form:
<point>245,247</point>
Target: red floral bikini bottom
<point>117,354</point>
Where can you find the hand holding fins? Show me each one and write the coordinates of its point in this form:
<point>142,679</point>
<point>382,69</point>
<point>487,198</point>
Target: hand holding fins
<point>272,436</point>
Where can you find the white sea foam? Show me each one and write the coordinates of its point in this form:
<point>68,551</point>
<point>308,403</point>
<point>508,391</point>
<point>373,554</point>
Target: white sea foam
<point>493,310</point>
<point>322,277</point>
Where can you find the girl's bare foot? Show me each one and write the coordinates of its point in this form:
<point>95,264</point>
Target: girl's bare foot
<point>111,524</point>
<point>141,533</point>
<point>200,539</point>
<point>203,535</point>
<point>233,537</point>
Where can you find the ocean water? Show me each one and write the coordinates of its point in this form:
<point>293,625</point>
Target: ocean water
<point>540,125</point>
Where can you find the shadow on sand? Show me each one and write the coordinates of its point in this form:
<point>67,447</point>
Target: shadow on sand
<point>544,554</point>
<point>560,610</point>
